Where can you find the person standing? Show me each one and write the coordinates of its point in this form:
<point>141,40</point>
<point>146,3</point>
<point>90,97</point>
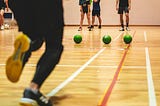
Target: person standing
<point>3,6</point>
<point>37,24</point>
<point>96,12</point>
<point>123,6</point>
<point>84,9</point>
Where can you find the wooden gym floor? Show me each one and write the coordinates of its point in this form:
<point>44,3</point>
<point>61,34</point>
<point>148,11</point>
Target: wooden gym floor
<point>92,73</point>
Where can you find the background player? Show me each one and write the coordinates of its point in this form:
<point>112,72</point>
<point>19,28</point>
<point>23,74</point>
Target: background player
<point>96,12</point>
<point>85,9</point>
<point>123,6</point>
<point>3,6</point>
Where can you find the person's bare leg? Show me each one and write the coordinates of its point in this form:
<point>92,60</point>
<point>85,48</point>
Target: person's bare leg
<point>100,21</point>
<point>81,21</point>
<point>121,21</point>
<point>89,21</point>
<point>127,21</point>
<point>93,20</point>
<point>88,18</point>
<point>1,18</point>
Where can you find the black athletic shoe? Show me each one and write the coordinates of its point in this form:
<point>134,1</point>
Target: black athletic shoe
<point>89,28</point>
<point>92,26</point>
<point>31,98</point>
<point>99,27</point>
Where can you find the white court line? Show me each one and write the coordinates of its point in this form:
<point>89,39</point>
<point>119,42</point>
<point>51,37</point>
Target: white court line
<point>151,90</point>
<point>145,36</point>
<point>103,66</point>
<point>95,66</point>
<point>118,36</point>
<point>69,79</point>
<point>152,97</point>
<point>59,87</point>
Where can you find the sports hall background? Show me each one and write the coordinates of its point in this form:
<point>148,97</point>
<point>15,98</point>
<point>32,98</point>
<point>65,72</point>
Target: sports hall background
<point>143,12</point>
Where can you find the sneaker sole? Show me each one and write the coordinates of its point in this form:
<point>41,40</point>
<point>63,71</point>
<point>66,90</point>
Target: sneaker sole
<point>27,102</point>
<point>14,62</point>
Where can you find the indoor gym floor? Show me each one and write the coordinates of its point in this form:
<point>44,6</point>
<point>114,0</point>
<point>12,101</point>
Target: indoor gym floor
<point>92,73</point>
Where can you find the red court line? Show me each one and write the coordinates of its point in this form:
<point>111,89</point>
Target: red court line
<point>108,93</point>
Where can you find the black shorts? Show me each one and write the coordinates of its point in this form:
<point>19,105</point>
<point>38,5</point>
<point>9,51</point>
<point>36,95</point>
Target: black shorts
<point>85,8</point>
<point>96,13</point>
<point>123,9</point>
<point>37,17</point>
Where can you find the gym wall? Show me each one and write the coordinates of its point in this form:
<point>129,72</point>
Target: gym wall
<point>143,12</point>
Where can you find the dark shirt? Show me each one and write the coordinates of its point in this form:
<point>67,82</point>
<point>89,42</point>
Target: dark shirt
<point>81,2</point>
<point>96,5</point>
<point>2,4</point>
<point>123,3</point>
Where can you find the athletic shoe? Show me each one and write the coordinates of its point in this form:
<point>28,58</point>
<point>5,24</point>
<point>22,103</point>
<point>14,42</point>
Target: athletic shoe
<point>127,28</point>
<point>31,98</point>
<point>99,27</point>
<point>80,29</point>
<point>90,28</point>
<point>2,27</point>
<point>122,29</point>
<point>14,64</point>
<point>6,26</point>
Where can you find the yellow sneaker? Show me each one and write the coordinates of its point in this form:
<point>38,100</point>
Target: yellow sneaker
<point>14,63</point>
<point>26,104</point>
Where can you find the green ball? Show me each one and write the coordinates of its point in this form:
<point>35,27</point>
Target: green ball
<point>106,39</point>
<point>77,39</point>
<point>127,39</point>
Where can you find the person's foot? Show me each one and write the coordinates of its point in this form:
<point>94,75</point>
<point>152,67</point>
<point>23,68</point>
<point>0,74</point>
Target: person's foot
<point>14,63</point>
<point>6,26</point>
<point>2,27</point>
<point>80,29</point>
<point>34,98</point>
<point>127,28</point>
<point>92,26</point>
<point>122,29</point>
<point>89,28</point>
<point>99,27</point>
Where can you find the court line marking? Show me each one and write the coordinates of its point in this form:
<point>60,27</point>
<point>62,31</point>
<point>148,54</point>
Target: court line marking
<point>145,36</point>
<point>109,89</point>
<point>117,36</point>
<point>103,66</point>
<point>151,89</point>
<point>103,101</point>
<point>69,79</point>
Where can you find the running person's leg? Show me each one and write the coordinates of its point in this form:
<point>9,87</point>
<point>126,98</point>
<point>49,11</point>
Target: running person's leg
<point>53,49</point>
<point>51,28</point>
<point>51,56</point>
<point>25,21</point>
